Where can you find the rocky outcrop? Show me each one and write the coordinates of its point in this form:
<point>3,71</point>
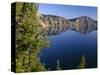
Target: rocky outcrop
<point>83,24</point>
<point>53,24</point>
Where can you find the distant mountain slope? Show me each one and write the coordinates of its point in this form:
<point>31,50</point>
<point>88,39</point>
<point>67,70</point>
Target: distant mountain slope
<point>83,24</point>
<point>56,24</point>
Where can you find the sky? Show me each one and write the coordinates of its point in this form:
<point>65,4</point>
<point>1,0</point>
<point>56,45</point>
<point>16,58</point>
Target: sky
<point>68,11</point>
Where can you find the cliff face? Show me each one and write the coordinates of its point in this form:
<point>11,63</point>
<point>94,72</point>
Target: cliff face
<point>83,24</point>
<point>56,24</point>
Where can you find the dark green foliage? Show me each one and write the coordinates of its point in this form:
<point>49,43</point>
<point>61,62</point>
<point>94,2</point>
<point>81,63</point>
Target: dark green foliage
<point>82,62</point>
<point>28,41</point>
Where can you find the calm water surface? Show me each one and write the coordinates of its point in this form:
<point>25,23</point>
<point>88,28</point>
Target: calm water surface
<point>68,47</point>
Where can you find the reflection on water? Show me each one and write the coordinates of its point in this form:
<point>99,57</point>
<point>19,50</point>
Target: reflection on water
<point>68,47</point>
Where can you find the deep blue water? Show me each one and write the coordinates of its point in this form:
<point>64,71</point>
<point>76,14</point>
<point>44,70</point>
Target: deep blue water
<point>68,47</point>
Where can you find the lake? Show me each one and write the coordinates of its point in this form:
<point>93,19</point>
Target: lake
<point>68,47</point>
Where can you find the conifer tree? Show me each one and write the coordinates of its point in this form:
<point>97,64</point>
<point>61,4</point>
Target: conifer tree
<point>28,44</point>
<point>58,65</point>
<point>82,62</point>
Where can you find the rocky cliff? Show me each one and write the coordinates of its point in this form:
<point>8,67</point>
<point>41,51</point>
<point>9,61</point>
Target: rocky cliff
<point>83,24</point>
<point>53,24</point>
